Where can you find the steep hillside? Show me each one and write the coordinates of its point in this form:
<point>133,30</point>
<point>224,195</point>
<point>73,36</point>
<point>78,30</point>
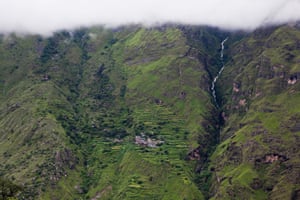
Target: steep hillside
<point>110,114</point>
<point>258,157</point>
<point>37,103</point>
<point>152,117</point>
<point>127,113</point>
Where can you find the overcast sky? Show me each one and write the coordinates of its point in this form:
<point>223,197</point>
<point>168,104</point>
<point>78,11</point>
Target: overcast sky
<point>45,16</point>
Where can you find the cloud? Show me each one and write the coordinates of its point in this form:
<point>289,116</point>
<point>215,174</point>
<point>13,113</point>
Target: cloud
<point>45,16</point>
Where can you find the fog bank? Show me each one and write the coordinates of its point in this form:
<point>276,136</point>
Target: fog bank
<point>46,16</point>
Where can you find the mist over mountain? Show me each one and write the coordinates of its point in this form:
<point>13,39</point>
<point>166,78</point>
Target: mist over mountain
<point>131,113</point>
<point>46,16</point>
<point>131,100</point>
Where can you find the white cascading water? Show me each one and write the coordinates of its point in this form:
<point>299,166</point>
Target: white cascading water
<point>213,84</point>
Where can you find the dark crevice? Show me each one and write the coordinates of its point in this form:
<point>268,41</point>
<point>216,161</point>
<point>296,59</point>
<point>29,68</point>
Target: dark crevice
<point>214,59</point>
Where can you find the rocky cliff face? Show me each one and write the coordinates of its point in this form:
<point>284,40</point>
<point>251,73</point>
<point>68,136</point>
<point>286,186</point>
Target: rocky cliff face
<point>128,114</point>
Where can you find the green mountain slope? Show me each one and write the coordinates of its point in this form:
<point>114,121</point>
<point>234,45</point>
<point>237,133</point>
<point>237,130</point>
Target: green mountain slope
<point>36,151</point>
<point>127,113</point>
<point>258,157</point>
<point>150,84</point>
<point>108,114</point>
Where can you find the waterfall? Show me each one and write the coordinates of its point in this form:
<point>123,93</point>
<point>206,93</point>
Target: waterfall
<point>213,84</point>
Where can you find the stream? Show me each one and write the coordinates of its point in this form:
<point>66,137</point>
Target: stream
<point>213,84</point>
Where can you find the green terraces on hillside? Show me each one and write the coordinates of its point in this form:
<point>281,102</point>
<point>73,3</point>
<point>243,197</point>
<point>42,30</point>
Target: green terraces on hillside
<point>127,113</point>
<point>71,113</point>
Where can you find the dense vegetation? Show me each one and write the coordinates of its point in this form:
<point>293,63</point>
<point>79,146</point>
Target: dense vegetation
<point>127,114</point>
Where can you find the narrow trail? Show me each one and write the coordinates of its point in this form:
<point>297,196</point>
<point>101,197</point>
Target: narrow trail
<point>213,84</point>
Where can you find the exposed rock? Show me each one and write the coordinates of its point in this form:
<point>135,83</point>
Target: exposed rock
<point>224,116</point>
<point>116,140</point>
<point>270,158</point>
<point>63,159</point>
<point>236,87</point>
<point>242,102</point>
<point>182,95</point>
<point>158,101</point>
<point>45,77</point>
<point>257,94</point>
<point>292,80</point>
<point>194,154</point>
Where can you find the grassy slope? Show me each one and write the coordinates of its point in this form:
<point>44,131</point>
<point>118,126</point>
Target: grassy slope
<point>162,100</point>
<point>31,135</point>
<point>71,106</point>
<point>262,112</point>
